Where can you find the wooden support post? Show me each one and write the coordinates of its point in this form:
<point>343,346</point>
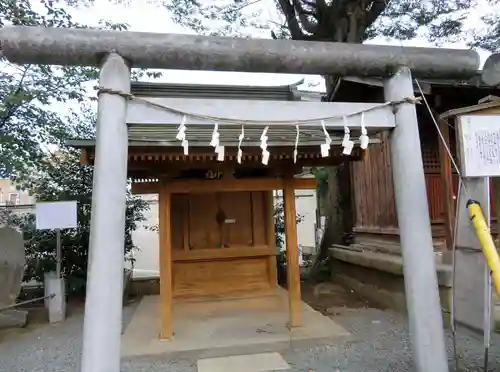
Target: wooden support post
<point>165,200</point>
<point>271,238</point>
<point>292,254</point>
<point>447,184</point>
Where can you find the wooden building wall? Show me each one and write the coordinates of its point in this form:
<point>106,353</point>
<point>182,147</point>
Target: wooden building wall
<point>233,255</point>
<point>373,191</point>
<point>197,227</point>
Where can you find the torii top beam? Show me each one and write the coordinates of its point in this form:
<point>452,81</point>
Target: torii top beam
<point>60,46</point>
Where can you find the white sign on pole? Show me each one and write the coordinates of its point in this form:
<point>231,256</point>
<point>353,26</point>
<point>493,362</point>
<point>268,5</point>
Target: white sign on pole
<point>56,215</point>
<point>479,140</point>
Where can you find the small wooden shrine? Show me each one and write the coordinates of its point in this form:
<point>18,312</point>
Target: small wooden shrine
<point>216,211</point>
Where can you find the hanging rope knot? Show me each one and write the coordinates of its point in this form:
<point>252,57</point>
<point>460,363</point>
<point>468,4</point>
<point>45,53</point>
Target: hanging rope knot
<point>101,90</point>
<point>412,100</point>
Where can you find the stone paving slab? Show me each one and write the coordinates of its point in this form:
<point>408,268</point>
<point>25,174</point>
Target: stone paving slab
<point>245,363</point>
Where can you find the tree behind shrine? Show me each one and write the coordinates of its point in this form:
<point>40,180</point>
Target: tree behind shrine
<point>32,144</point>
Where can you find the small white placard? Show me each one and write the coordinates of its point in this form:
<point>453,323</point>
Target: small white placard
<point>56,215</point>
<point>480,145</point>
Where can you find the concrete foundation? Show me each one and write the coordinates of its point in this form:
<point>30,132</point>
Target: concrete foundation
<point>223,327</point>
<point>13,319</point>
<point>378,277</point>
<point>56,305</point>
<point>471,284</point>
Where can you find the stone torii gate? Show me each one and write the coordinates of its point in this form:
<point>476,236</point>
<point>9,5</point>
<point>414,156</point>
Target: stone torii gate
<point>116,52</point>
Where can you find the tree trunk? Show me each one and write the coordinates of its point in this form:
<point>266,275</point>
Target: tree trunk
<point>347,22</point>
<point>338,211</point>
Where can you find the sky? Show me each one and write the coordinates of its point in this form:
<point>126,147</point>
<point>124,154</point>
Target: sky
<point>147,16</point>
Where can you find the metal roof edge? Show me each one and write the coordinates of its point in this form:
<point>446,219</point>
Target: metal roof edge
<point>86,144</point>
<point>273,93</point>
<point>297,83</point>
<point>80,143</point>
<point>469,109</point>
<point>135,84</point>
<point>308,95</point>
<point>475,81</point>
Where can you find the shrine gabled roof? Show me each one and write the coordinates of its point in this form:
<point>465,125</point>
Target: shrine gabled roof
<point>209,91</point>
<point>159,139</point>
<point>156,111</point>
<point>426,85</point>
<point>151,126</point>
<point>475,81</point>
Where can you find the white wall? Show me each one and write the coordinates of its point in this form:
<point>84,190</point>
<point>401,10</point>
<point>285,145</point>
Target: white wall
<point>147,256</point>
<point>305,206</point>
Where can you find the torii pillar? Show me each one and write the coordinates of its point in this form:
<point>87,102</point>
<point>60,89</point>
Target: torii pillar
<point>102,325</point>
<point>419,264</point>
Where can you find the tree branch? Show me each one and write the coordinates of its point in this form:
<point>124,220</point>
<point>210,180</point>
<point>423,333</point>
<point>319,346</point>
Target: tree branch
<point>321,8</point>
<point>245,5</point>
<point>303,14</point>
<point>311,3</point>
<point>376,9</point>
<point>13,108</point>
<point>291,20</point>
<point>337,8</point>
<point>352,30</point>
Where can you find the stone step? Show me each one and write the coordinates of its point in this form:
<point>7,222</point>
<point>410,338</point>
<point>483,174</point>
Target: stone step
<point>266,362</point>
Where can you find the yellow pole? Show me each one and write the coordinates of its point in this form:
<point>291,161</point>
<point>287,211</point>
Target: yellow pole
<point>486,240</point>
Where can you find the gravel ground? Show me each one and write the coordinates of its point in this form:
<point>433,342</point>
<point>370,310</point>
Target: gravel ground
<point>381,344</point>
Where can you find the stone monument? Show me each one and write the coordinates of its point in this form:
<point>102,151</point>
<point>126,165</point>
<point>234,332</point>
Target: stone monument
<point>12,263</point>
